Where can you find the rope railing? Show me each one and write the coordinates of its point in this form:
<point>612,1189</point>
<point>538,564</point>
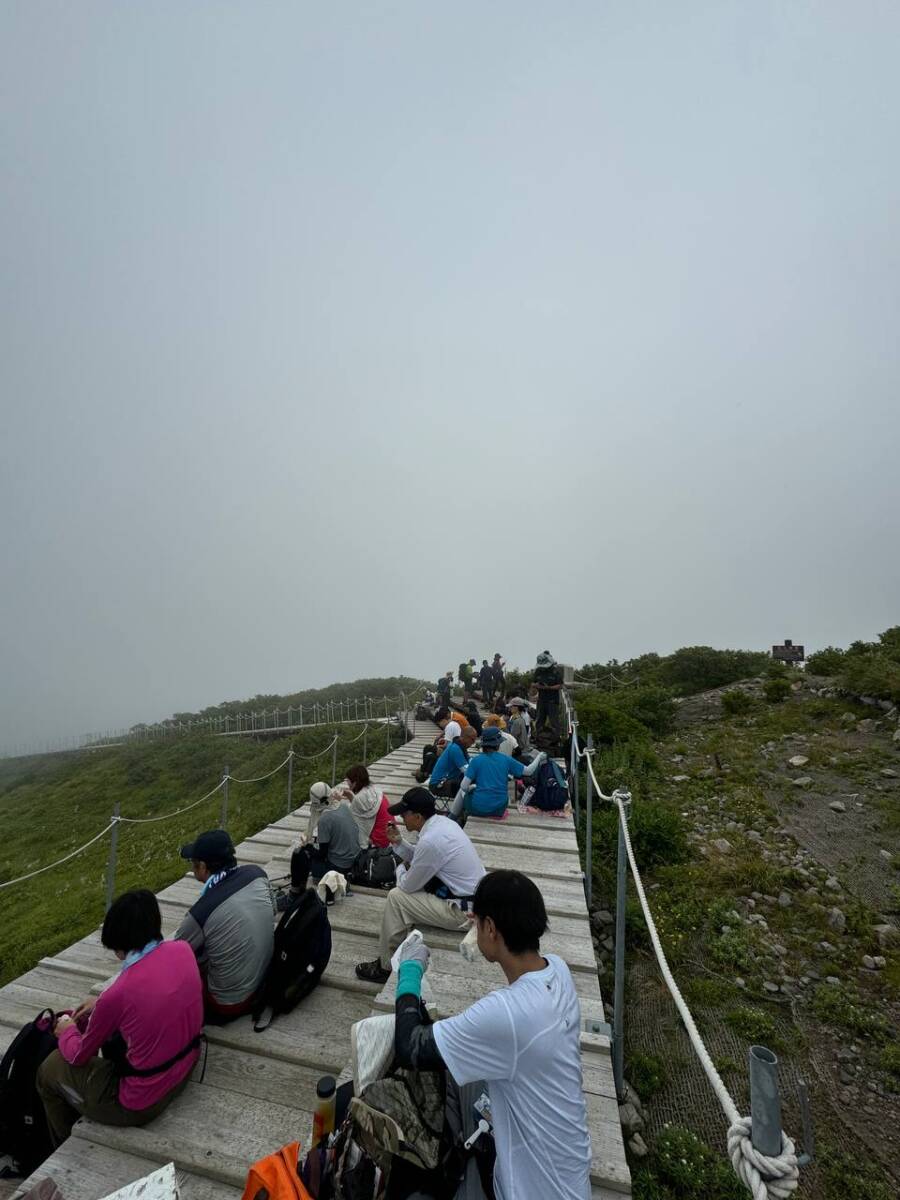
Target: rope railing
<point>766,1176</point>
<point>227,778</point>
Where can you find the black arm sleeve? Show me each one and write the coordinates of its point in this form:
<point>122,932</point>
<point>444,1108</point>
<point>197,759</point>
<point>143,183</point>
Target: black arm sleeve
<point>414,1044</point>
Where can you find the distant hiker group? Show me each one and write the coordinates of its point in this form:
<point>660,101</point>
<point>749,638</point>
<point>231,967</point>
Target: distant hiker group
<point>122,1057</point>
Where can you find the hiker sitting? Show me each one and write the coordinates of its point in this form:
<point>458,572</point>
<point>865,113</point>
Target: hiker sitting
<point>445,684</point>
<point>519,728</point>
<point>229,927</point>
<point>489,773</point>
<point>439,871</point>
<point>473,716</point>
<point>508,744</point>
<point>153,1013</point>
<point>368,805</point>
<point>523,1040</point>
<point>448,770</point>
<point>337,838</point>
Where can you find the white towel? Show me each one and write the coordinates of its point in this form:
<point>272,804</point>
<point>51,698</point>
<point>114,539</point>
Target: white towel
<point>468,947</point>
<point>159,1185</point>
<point>371,1049</point>
<point>414,938</point>
<point>334,880</point>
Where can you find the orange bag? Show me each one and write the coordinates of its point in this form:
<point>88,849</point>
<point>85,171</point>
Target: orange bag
<point>275,1177</point>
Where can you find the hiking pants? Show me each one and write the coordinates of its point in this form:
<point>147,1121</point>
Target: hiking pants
<point>404,910</point>
<point>547,711</point>
<point>92,1090</point>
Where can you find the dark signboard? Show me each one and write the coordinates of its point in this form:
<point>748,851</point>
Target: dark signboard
<point>788,652</point>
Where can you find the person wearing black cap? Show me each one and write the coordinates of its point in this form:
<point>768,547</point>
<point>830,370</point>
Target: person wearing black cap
<point>229,928</point>
<point>439,871</point>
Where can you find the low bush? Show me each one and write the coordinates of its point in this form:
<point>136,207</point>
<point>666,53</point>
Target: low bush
<point>844,1006</point>
<point>852,1176</point>
<point>682,1167</point>
<point>646,1073</point>
<point>736,702</point>
<point>825,662</point>
<point>697,668</point>
<point>890,1059</point>
<point>777,689</point>
<point>753,1025</point>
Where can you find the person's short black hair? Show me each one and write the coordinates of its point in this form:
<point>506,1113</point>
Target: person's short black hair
<point>215,865</point>
<point>442,713</point>
<point>133,920</point>
<point>516,906</point>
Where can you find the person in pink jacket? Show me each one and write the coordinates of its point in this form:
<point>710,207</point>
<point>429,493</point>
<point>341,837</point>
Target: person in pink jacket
<point>148,1022</point>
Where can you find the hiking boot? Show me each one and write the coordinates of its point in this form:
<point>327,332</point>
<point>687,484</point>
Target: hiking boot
<point>372,972</point>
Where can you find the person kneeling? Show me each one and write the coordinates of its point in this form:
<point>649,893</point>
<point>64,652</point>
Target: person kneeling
<point>152,1014</point>
<point>523,1040</point>
<point>437,876</point>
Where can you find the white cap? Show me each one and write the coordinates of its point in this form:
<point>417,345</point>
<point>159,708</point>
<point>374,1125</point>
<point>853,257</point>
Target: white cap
<point>319,791</point>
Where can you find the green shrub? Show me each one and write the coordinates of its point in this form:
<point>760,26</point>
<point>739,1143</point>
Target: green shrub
<point>682,1167</point>
<point>652,706</point>
<point>601,715</point>
<point>646,1073</point>
<point>753,1025</point>
<point>871,675</point>
<point>852,1176</point>
<point>825,662</point>
<point>697,668</point>
<point>776,690</point>
<point>890,1058</point>
<point>736,702</point>
<point>844,1006</point>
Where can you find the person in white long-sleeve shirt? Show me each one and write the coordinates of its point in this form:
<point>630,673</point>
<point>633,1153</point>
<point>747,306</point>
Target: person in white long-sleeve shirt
<point>435,879</point>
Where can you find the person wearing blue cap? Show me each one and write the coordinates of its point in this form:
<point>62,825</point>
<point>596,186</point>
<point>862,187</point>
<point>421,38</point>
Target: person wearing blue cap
<point>489,774</point>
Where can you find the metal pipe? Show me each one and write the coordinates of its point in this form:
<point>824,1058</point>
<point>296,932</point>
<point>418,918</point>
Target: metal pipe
<point>223,817</point>
<point>619,982</point>
<point>111,863</point>
<point>366,746</point>
<point>765,1104</point>
<point>334,761</point>
<point>589,828</point>
<point>573,768</point>
<point>290,781</point>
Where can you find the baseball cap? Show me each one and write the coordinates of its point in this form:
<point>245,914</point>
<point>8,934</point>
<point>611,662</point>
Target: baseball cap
<point>416,800</point>
<point>319,791</point>
<point>214,844</point>
<point>490,736</point>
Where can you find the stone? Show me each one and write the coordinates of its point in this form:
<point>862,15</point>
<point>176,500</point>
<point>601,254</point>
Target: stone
<point>837,806</point>
<point>887,934</point>
<point>784,899</point>
<point>604,916</point>
<point>680,778</point>
<point>832,884</point>
<point>880,962</point>
<point>866,726</point>
<point>769,986</point>
<point>722,845</point>
<point>868,962</point>
<point>896,737</point>
<point>886,855</point>
<point>608,945</point>
<point>637,1146</point>
<point>889,773</point>
<point>836,921</point>
<point>630,1119</point>
<point>802,782</point>
<point>754,835</point>
<point>832,980</point>
<point>848,718</point>
<point>798,760</point>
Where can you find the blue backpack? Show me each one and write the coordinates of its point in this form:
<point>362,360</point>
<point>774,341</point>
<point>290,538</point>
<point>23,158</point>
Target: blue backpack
<point>551,789</point>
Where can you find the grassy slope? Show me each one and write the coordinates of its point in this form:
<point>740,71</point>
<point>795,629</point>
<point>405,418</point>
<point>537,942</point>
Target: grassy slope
<point>52,804</point>
<point>705,928</point>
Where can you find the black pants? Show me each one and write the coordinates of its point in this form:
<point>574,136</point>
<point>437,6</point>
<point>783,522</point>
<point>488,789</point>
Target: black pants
<point>547,711</point>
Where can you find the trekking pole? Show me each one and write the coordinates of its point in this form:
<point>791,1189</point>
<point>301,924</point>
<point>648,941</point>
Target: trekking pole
<point>111,864</point>
<point>290,779</point>
<point>223,817</point>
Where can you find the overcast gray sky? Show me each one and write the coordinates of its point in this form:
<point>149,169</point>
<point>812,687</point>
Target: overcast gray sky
<point>342,340</point>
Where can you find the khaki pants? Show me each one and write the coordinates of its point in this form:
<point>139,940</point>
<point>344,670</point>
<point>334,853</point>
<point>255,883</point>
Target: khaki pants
<point>68,1093</point>
<point>404,910</point>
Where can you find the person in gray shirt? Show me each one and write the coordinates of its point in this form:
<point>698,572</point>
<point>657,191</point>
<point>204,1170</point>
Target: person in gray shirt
<point>338,836</point>
<point>229,928</point>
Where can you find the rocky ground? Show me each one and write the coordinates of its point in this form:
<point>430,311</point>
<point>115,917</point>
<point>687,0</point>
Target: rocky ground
<point>782,928</point>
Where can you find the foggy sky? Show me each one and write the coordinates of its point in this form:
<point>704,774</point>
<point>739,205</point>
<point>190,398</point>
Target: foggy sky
<point>344,340</point>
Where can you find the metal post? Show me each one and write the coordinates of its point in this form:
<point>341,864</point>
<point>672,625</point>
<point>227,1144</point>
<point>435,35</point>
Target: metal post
<point>765,1105</point>
<point>589,826</point>
<point>223,818</point>
<point>619,983</point>
<point>387,740</point>
<point>366,746</point>
<point>111,864</point>
<point>334,761</point>
<point>290,780</point>
<point>574,764</point>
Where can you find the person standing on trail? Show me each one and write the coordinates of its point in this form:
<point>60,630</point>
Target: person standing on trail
<point>486,679</point>
<point>229,927</point>
<point>523,1040</point>
<point>435,879</point>
<point>445,683</point>
<point>497,669</point>
<point>548,681</point>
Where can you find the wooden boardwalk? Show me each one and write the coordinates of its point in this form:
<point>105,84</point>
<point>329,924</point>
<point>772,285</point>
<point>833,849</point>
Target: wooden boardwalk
<point>259,1089</point>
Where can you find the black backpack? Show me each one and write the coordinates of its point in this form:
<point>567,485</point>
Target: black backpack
<point>301,953</point>
<point>375,867</point>
<point>24,1135</point>
<point>549,790</point>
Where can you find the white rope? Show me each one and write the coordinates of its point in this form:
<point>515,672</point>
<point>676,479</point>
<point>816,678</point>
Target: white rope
<point>259,778</point>
<point>59,861</point>
<point>766,1177</point>
<point>168,816</point>
<point>318,754</point>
